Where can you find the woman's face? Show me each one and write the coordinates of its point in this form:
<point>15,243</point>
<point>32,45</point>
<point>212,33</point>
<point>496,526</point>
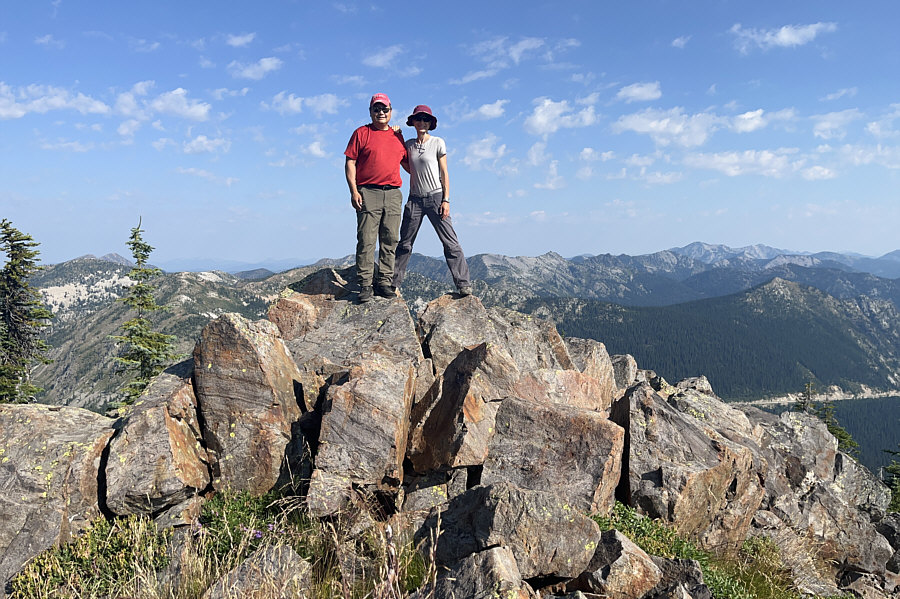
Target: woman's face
<point>422,122</point>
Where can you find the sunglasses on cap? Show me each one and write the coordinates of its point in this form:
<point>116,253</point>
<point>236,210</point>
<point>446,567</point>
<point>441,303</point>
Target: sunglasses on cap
<point>385,109</point>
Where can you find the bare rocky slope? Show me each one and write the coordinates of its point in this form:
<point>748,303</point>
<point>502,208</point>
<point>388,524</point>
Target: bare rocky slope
<point>483,419</point>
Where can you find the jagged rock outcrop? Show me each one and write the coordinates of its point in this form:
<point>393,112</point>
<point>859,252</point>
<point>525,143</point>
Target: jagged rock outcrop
<point>485,423</point>
<point>156,460</point>
<point>50,470</point>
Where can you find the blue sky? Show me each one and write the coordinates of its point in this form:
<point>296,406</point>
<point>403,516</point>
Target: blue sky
<point>578,127</point>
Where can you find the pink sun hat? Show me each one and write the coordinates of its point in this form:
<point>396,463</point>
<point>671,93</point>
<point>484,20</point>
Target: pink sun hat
<point>422,109</point>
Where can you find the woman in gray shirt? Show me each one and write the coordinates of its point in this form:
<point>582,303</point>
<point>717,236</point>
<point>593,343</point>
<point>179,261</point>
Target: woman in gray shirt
<point>429,195</point>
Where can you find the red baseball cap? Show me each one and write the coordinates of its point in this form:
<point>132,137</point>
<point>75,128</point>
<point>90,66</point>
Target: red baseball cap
<point>382,98</point>
<point>422,109</point>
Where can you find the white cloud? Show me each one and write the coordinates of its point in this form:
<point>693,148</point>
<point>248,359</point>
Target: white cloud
<point>553,181</point>
<point>204,174</point>
<point>788,36</point>
<point>858,155</point>
<point>141,45</point>
<point>256,70</point>
<point>224,92</point>
<point>640,92</point>
<point>240,41</point>
<point>161,143</point>
<point>324,104</point>
<point>768,163</point>
<point>129,128</point>
<point>357,80</point>
<point>749,121</point>
<point>383,58</point>
<point>285,103</point>
<point>847,92</point>
<point>485,112</point>
<point>681,42</point>
<point>670,126</point>
<point>519,49</point>
<point>44,98</point>
<point>487,149</point>
<point>202,144</point>
<point>834,124</point>
<point>884,127</point>
<point>592,155</point>
<point>537,154</point>
<point>206,63</point>
<point>49,41</point>
<point>549,116</point>
<point>475,76</point>
<point>817,173</point>
<point>315,149</point>
<point>176,103</point>
<point>67,146</point>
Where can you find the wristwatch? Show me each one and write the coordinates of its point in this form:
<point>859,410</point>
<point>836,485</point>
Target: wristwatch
<point>445,200</point>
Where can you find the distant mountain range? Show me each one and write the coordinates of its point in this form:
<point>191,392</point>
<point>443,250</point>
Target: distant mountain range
<point>843,306</point>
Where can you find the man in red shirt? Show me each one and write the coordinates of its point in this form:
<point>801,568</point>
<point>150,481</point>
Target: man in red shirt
<point>374,156</point>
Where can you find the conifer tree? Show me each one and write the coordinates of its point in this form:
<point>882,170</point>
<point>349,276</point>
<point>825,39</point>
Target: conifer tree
<point>893,481</point>
<point>22,317</point>
<point>144,352</point>
<point>825,412</point>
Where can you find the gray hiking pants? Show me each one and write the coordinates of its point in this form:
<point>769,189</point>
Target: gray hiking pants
<point>378,221</point>
<point>430,206</point>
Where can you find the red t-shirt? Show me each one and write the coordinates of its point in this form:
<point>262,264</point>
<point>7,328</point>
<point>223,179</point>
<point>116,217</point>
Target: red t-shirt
<point>377,154</point>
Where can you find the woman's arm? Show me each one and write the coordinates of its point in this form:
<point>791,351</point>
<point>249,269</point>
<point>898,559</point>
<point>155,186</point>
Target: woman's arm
<point>445,186</point>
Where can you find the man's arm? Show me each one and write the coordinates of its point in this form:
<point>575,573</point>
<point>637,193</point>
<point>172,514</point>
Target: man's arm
<point>350,172</point>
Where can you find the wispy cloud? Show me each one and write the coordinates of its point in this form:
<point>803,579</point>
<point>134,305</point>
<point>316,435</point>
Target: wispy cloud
<point>177,103</point>
<point>499,53</point>
<point>884,127</point>
<point>204,174</point>
<point>640,92</point>
<point>487,149</point>
<point>788,36</point>
<point>759,119</point>
<point>671,126</point>
<point>204,145</point>
<point>549,116</point>
<point>142,45</point>
<point>16,103</point>
<point>66,146</point>
<point>383,58</point>
<point>494,110</point>
<point>834,124</point>
<point>847,92</point>
<point>681,42</point>
<point>50,41</point>
<point>240,41</point>
<point>768,163</point>
<point>285,103</point>
<point>256,70</point>
<point>553,180</point>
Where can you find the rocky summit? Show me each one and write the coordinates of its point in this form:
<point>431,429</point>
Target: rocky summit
<point>482,433</point>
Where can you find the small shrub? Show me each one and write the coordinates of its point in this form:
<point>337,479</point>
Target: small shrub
<point>106,557</point>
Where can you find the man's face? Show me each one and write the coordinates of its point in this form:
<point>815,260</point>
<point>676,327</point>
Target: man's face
<point>381,114</point>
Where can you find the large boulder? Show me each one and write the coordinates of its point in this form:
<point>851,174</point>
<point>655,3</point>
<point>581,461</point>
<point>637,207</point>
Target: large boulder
<point>683,472</point>
<point>364,431</point>
<point>489,573</point>
<point>619,570</point>
<point>246,381</point>
<point>546,535</point>
<point>50,459</point>
<point>573,452</point>
<point>156,460</point>
<point>270,571</point>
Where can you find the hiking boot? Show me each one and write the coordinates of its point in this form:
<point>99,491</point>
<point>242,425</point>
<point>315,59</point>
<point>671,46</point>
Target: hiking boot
<point>465,290</point>
<point>365,294</point>
<point>382,290</point>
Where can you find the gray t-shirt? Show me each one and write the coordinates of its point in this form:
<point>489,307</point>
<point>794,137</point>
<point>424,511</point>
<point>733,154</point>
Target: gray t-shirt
<point>424,173</point>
